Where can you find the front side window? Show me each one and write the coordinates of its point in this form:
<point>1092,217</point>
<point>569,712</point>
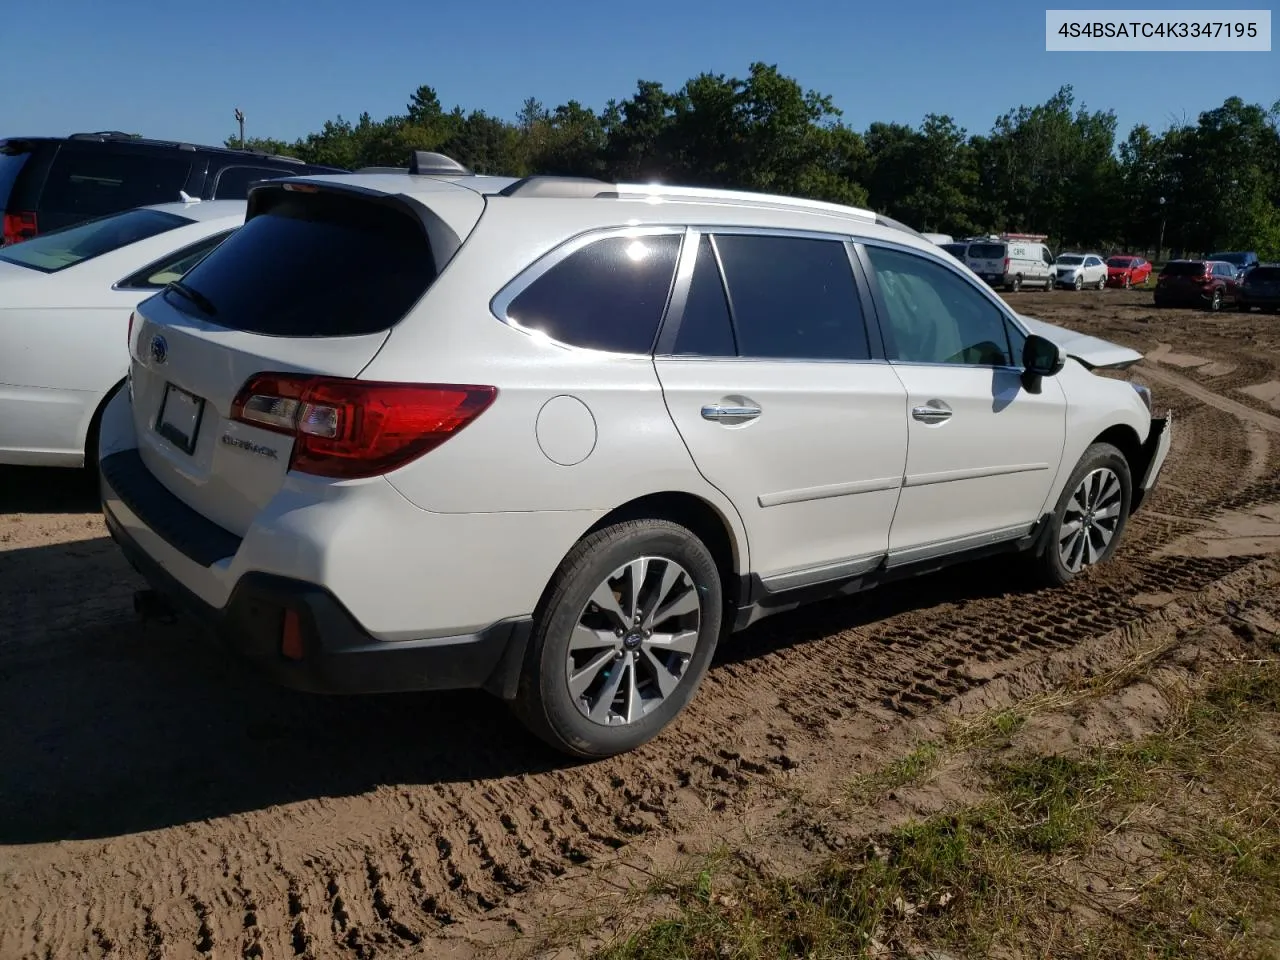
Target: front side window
<point>60,249</point>
<point>793,298</point>
<point>609,295</point>
<point>935,316</point>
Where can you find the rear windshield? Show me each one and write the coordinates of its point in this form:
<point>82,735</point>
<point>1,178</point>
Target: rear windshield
<point>986,251</point>
<point>1264,274</point>
<point>1070,261</point>
<point>957,250</point>
<point>10,167</point>
<point>59,249</point>
<point>1120,262</point>
<point>314,265</point>
<point>1235,259</point>
<point>1186,268</point>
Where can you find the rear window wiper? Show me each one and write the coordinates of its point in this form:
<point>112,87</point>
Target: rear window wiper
<point>194,295</point>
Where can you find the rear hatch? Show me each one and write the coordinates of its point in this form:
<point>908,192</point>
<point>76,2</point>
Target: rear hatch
<point>311,285</point>
<point>1183,277</point>
<point>1263,282</point>
<point>987,259</point>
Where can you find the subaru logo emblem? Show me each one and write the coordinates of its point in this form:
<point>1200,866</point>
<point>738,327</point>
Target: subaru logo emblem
<point>159,349</point>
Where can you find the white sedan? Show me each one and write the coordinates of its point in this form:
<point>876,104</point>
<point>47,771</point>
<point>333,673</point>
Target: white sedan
<point>1080,270</point>
<point>65,301</point>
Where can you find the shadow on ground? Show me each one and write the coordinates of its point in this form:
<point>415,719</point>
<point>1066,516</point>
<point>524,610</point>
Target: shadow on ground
<point>112,726</point>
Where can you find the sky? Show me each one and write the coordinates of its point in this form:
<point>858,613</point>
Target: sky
<point>179,71</point>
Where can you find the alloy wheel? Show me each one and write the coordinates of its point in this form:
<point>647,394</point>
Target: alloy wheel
<point>633,641</point>
<point>1091,520</point>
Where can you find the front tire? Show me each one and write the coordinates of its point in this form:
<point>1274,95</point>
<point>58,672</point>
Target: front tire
<point>622,639</point>
<point>1079,284</point>
<point>1090,517</point>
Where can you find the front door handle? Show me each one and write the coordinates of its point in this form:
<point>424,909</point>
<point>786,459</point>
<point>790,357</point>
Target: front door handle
<point>935,411</point>
<point>730,413</point>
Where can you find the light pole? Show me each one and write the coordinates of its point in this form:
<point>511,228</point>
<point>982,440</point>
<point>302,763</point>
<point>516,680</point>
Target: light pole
<point>1160,242</point>
<point>240,120</point>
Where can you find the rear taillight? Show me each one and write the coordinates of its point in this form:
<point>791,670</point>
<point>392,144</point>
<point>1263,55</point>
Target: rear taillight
<point>1006,264</point>
<point>19,227</point>
<point>348,429</point>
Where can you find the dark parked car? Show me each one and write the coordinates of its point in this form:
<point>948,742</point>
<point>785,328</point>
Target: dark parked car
<point>52,182</point>
<point>1261,288</point>
<point>1242,260</point>
<point>1204,283</point>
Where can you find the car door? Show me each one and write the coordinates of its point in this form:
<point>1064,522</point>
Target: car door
<point>784,400</point>
<point>1230,281</point>
<point>982,450</point>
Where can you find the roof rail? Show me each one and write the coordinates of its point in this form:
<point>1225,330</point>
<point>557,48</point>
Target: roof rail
<point>562,188</point>
<point>712,194</point>
<point>427,163</point>
<point>883,221</point>
<point>382,170</point>
<point>104,135</point>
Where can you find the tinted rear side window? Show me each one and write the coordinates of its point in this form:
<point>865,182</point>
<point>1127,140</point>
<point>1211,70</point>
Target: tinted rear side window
<point>233,182</point>
<point>793,298</point>
<point>91,183</point>
<point>986,251</point>
<point>1193,268</point>
<point>706,329</point>
<point>1264,274</point>
<point>610,295</point>
<point>315,265</point>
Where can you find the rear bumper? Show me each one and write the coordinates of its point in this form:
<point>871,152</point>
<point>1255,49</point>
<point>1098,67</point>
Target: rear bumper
<point>337,654</point>
<point>1267,302</point>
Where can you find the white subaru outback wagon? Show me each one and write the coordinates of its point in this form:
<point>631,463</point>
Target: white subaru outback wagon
<point>555,437</point>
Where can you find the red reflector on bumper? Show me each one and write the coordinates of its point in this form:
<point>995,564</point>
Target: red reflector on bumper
<point>291,636</point>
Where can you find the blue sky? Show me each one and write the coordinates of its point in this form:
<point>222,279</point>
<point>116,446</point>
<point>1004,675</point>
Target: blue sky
<point>178,71</point>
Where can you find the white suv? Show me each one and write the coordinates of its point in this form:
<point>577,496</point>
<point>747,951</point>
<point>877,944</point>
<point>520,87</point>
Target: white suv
<point>554,437</point>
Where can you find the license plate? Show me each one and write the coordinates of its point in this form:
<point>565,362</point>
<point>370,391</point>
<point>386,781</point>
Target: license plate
<point>179,418</point>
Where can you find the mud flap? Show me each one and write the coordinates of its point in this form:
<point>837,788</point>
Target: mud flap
<point>1152,458</point>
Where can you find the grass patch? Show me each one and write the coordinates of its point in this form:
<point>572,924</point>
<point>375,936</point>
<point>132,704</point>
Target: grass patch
<point>1039,867</point>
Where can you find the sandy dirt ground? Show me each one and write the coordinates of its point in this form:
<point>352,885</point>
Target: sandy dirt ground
<point>158,800</point>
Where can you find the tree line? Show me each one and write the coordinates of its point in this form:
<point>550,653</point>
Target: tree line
<point>1055,168</point>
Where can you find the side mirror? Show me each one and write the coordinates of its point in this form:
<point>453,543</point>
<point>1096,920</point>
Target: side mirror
<point>1040,358</point>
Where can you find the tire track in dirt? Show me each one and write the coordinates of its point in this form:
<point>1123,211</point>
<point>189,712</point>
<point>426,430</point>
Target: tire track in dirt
<point>432,843</point>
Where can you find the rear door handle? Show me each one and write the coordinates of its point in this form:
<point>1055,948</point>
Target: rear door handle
<point>730,413</point>
<point>935,411</point>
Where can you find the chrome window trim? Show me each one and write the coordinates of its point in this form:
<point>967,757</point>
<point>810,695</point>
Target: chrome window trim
<point>500,303</point>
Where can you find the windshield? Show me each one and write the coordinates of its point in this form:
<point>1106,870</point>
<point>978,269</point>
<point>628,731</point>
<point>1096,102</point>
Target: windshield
<point>1070,261</point>
<point>1235,259</point>
<point>1120,262</point>
<point>986,251</point>
<point>59,249</point>
<point>1183,268</point>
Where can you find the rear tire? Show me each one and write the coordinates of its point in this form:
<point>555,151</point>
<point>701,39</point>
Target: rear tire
<point>1015,284</point>
<point>1215,302</point>
<point>1090,517</point>
<point>1102,283</point>
<point>632,666</point>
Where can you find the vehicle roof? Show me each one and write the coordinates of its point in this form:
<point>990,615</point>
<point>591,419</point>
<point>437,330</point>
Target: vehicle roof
<point>115,136</point>
<point>744,207</point>
<point>204,210</point>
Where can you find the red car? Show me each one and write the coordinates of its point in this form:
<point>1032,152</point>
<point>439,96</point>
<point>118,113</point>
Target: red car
<point>1126,271</point>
